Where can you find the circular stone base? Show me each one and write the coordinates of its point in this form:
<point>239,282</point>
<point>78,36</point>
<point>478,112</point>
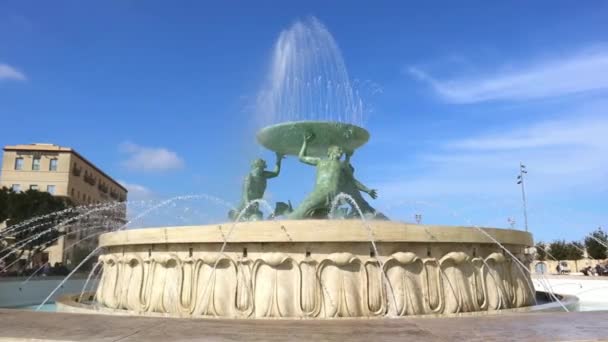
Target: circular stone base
<point>287,138</point>
<point>545,303</point>
<point>313,269</point>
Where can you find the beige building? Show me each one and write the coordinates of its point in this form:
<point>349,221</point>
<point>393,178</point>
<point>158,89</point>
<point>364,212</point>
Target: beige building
<point>61,171</point>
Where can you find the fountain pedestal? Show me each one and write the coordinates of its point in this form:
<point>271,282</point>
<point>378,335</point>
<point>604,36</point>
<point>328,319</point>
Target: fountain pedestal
<point>312,268</point>
<point>286,138</point>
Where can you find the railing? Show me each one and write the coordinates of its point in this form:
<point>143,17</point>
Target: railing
<point>88,178</point>
<point>103,188</point>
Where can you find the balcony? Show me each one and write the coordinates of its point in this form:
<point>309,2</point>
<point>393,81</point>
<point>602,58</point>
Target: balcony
<point>102,188</point>
<point>88,178</point>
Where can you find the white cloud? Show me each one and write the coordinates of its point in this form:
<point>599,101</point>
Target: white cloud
<point>562,155</point>
<point>578,73</point>
<point>137,192</point>
<point>154,159</point>
<point>569,132</point>
<point>9,73</point>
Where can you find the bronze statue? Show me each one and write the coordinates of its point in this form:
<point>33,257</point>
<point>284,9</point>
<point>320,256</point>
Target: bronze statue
<point>254,188</point>
<point>327,184</point>
<point>333,177</point>
<point>352,187</point>
<point>323,145</point>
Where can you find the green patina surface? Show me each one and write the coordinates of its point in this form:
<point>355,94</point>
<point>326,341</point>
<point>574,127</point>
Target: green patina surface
<point>254,188</point>
<point>286,138</point>
<point>316,143</point>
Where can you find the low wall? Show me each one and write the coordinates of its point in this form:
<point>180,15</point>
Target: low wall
<point>574,265</point>
<point>14,292</point>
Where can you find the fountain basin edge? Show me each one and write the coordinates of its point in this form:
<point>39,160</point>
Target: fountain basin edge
<point>313,269</point>
<point>70,303</point>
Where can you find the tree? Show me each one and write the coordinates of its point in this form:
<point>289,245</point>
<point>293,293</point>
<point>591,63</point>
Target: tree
<point>576,250</point>
<point>558,250</point>
<point>541,255</point>
<point>562,250</point>
<point>4,194</point>
<point>594,248</point>
<point>38,235</point>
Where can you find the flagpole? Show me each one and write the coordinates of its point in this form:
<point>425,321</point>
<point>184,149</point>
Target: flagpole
<point>520,180</point>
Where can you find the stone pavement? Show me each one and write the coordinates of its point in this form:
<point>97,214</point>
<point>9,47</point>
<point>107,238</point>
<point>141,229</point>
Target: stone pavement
<point>17,325</point>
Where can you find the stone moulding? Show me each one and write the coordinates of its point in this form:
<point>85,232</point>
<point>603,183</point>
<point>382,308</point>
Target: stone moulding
<point>299,278</point>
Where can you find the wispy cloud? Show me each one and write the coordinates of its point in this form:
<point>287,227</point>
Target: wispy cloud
<point>582,72</point>
<point>473,180</point>
<point>9,73</point>
<point>570,152</point>
<point>571,132</point>
<point>137,192</point>
<point>153,159</point>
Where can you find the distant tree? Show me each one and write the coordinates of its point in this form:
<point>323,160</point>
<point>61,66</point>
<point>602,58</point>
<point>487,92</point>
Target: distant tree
<point>558,249</point>
<point>37,236</point>
<point>562,250</point>
<point>4,215</point>
<point>4,194</point>
<point>575,250</point>
<point>541,254</point>
<point>595,249</point>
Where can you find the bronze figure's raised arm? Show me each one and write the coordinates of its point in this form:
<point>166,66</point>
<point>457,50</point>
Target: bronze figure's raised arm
<point>302,156</point>
<point>254,187</point>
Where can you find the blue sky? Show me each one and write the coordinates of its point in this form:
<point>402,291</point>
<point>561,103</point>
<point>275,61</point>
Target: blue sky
<point>160,95</point>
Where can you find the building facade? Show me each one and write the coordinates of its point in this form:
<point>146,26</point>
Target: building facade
<point>60,171</point>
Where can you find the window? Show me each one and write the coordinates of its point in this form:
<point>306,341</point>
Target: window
<point>50,189</point>
<point>76,170</point>
<point>36,163</point>
<point>34,187</point>
<point>53,165</point>
<point>19,163</point>
<point>16,187</point>
<point>72,192</point>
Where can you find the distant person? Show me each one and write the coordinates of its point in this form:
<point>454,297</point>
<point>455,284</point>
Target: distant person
<point>62,270</point>
<point>47,269</point>
<point>558,268</point>
<point>55,269</point>
<point>587,271</point>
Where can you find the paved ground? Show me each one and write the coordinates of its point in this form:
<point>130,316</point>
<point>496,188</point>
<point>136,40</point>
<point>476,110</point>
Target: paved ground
<point>17,325</point>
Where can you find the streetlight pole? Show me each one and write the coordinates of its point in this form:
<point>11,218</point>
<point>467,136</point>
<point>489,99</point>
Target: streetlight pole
<point>520,180</point>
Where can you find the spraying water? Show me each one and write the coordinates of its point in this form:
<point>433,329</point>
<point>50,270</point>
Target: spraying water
<point>226,237</point>
<point>97,265</point>
<point>308,79</point>
<point>341,197</point>
<point>124,226</point>
<point>520,266</point>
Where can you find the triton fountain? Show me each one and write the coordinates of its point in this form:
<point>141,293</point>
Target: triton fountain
<point>300,263</point>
